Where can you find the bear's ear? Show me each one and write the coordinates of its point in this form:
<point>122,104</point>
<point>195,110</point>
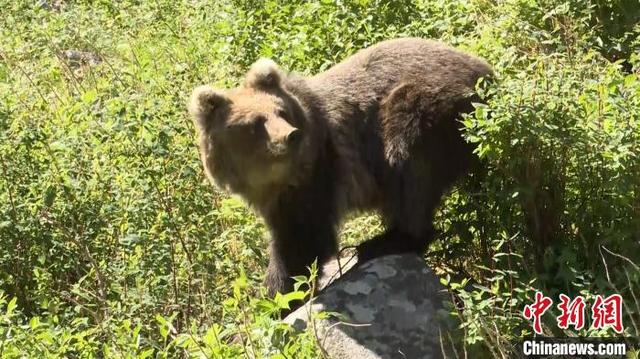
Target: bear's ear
<point>204,102</point>
<point>264,74</point>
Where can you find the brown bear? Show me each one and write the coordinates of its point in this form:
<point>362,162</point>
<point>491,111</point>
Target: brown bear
<point>379,131</point>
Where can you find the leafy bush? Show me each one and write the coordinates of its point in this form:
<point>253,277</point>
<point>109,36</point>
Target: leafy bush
<point>114,244</point>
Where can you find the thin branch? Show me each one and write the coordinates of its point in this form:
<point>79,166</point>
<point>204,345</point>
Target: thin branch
<point>622,257</point>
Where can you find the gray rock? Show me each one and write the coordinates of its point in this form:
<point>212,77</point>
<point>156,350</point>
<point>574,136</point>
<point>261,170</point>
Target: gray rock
<point>55,5</point>
<point>390,307</point>
<point>77,58</point>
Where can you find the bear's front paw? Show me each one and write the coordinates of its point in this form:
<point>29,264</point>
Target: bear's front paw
<point>371,249</point>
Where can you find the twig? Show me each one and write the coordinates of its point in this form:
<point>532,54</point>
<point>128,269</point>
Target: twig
<point>635,325</point>
<point>606,268</point>
<point>35,87</point>
<point>622,257</point>
<point>248,331</point>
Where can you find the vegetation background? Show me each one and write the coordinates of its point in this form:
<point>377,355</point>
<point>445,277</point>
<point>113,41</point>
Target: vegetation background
<point>112,243</point>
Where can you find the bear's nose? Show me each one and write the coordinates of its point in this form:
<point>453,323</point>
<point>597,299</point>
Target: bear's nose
<point>294,138</point>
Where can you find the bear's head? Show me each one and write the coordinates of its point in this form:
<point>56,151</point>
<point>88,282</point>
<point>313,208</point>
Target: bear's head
<point>253,138</point>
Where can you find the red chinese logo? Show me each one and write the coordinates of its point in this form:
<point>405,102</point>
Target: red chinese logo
<point>536,310</point>
<point>572,312</point>
<point>607,312</point>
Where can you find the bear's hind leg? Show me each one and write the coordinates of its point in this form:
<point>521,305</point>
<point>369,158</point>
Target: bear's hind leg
<point>394,241</point>
<point>426,154</point>
<point>414,189</point>
<point>412,195</point>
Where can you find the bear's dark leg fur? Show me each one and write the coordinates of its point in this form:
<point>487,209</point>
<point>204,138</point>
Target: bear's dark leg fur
<point>413,194</point>
<point>393,241</point>
<point>303,227</point>
<point>295,247</point>
<point>430,155</point>
<point>299,239</point>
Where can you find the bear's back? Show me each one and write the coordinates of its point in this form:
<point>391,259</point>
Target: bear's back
<point>370,74</point>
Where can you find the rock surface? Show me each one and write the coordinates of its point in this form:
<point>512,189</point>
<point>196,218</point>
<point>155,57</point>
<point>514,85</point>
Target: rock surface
<point>390,307</point>
<point>77,58</point>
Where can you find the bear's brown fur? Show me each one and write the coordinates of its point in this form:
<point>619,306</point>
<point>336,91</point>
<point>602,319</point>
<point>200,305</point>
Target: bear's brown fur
<point>378,131</point>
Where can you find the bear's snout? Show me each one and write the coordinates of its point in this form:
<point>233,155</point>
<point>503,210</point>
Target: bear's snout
<point>283,138</point>
<point>287,144</point>
<point>294,138</point>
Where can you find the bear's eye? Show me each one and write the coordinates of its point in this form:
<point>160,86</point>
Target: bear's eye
<point>284,115</point>
<point>256,124</point>
<point>251,125</point>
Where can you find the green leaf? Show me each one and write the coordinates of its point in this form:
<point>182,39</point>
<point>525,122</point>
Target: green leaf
<point>296,295</point>
<point>630,80</point>
<point>13,303</point>
<point>49,196</point>
<point>146,354</point>
<point>89,96</point>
